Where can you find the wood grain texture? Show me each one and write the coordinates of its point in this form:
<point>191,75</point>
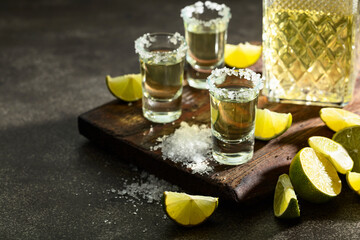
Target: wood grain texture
<point>122,129</point>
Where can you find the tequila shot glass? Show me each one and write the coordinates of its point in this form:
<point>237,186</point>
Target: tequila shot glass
<point>233,101</point>
<point>206,33</point>
<point>162,59</point>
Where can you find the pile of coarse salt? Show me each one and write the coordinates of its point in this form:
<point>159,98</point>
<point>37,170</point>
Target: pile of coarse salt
<point>189,145</point>
<point>148,188</point>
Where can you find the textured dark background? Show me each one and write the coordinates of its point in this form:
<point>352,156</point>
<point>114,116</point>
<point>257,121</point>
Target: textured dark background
<point>54,56</point>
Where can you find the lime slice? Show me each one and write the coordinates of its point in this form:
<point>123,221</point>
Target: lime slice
<point>269,125</point>
<point>337,119</point>
<point>126,87</point>
<point>189,210</point>
<point>333,152</point>
<point>285,201</point>
<point>353,180</point>
<point>314,178</point>
<point>349,138</point>
<point>241,55</point>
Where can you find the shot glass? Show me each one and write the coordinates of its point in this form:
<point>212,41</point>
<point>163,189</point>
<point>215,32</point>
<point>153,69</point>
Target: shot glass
<point>162,59</point>
<point>233,101</point>
<point>206,33</point>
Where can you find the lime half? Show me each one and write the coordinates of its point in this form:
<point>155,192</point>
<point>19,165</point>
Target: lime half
<point>332,151</point>
<point>314,178</point>
<point>285,201</point>
<point>126,87</point>
<point>349,138</point>
<point>269,125</point>
<point>337,119</point>
<point>189,210</point>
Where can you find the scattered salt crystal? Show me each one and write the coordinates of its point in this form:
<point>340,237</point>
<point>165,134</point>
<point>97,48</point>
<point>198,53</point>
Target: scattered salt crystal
<point>144,174</point>
<point>130,104</point>
<point>174,38</point>
<point>189,145</point>
<point>148,188</point>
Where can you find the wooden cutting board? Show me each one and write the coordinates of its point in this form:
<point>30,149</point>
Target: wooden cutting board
<point>122,129</point>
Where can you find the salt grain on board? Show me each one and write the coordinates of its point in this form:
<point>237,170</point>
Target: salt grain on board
<point>189,145</point>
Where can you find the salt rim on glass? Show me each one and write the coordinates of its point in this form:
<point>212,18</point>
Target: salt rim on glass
<point>143,43</point>
<point>187,13</point>
<point>218,76</point>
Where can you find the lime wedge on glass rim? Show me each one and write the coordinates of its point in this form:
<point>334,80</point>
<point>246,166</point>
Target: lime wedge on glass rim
<point>314,178</point>
<point>333,152</point>
<point>189,210</point>
<point>349,138</point>
<point>285,202</point>
<point>127,87</point>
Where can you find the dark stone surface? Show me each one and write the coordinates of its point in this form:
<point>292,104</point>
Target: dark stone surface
<point>54,56</point>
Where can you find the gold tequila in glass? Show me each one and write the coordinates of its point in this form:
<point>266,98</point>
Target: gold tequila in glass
<point>162,59</point>
<point>205,32</point>
<point>309,51</point>
<point>233,101</point>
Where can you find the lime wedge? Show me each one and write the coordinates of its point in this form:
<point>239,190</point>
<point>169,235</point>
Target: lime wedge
<point>314,178</point>
<point>349,138</point>
<point>337,119</point>
<point>285,201</point>
<point>333,152</point>
<point>126,87</point>
<point>353,180</point>
<point>189,210</point>
<point>269,125</point>
<point>242,55</point>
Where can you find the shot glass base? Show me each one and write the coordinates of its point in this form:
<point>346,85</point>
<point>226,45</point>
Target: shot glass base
<point>196,77</point>
<point>197,83</point>
<point>161,117</point>
<point>232,158</point>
